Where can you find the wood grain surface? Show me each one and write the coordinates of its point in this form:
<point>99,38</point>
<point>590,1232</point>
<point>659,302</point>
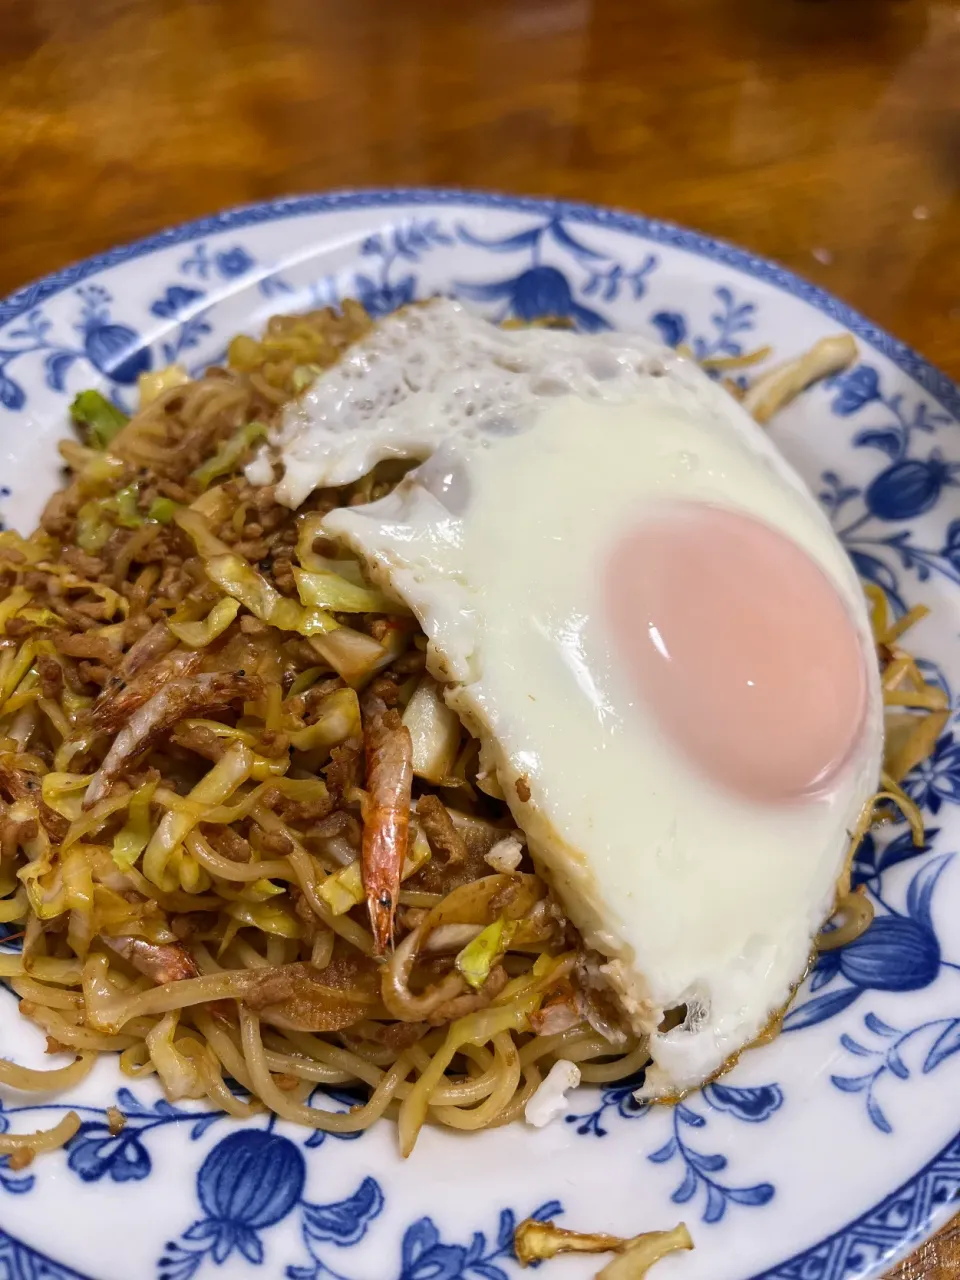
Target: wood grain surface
<point>824,133</point>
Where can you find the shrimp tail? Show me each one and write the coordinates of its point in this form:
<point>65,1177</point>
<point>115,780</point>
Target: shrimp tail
<point>386,819</point>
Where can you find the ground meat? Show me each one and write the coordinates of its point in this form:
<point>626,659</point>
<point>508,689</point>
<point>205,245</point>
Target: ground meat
<point>227,842</point>
<point>97,648</point>
<point>51,677</point>
<point>21,784</point>
<point>460,1006</point>
<point>344,771</point>
<point>86,565</point>
<point>445,840</point>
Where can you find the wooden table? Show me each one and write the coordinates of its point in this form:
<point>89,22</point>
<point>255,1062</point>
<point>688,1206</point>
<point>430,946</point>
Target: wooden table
<point>825,133</point>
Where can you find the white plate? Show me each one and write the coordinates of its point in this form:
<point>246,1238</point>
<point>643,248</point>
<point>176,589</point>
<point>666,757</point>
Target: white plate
<point>823,1156</point>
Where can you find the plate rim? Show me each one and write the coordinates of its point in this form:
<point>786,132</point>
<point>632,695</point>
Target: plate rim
<point>833,1249</point>
<point>659,231</point>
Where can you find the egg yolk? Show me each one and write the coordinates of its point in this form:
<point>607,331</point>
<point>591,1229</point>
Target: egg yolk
<point>741,646</point>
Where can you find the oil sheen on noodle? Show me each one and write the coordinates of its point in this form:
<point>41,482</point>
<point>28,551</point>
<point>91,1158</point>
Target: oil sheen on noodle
<point>542,450</point>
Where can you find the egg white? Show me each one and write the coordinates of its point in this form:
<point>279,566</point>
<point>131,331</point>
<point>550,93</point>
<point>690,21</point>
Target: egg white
<point>544,447</point>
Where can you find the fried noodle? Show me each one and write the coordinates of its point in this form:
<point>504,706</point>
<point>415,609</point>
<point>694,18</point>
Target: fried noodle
<point>207,757</point>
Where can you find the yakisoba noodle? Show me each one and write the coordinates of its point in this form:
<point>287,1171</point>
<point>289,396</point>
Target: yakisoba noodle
<point>203,719</point>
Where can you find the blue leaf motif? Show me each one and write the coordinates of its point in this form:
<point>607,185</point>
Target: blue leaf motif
<point>204,1123</point>
<point>12,395</point>
<point>756,1196</point>
<point>875,1113</point>
<point>689,1117</point>
<point>877,1025</point>
<point>664,1153</point>
<point>897,1065</point>
<point>945,1045</point>
<point>857,388</point>
<point>506,244</point>
<point>889,440</point>
<point>563,236</point>
<point>705,1163</point>
<point>687,1188</point>
<point>874,570</point>
<point>820,1008</point>
<point>671,326</point>
<point>345,1222</point>
<point>854,1047</point>
<point>56,366</point>
<point>827,968</point>
<point>920,892</point>
<point>716,1205</point>
<point>851,1084</point>
<point>505,1229</point>
<point>902,849</point>
<point>249,1244</point>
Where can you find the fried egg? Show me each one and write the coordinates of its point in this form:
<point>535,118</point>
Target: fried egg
<point>637,607</point>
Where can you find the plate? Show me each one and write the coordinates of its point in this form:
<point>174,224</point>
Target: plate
<point>823,1156</point>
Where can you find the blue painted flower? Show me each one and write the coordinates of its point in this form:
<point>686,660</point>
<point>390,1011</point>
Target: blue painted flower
<point>381,299</point>
<point>539,291</point>
<point>855,389</point>
<point>95,1151</point>
<point>671,326</point>
<point>938,777</point>
<point>424,1257</point>
<point>175,300</point>
<point>116,351</point>
<point>909,488</point>
<point>751,1104</point>
<point>895,954</point>
<point>233,262</point>
<point>249,1181</point>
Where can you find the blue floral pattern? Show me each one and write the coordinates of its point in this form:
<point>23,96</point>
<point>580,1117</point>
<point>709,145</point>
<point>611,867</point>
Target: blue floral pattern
<point>699,1170</point>
<point>889,495</point>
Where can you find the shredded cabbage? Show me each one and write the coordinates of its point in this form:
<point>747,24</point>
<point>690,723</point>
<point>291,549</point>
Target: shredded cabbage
<point>133,838</point>
<point>327,590</point>
<point>213,789</point>
<point>101,419</point>
<point>12,605</point>
<point>60,793</point>
<point>477,958</point>
<point>338,720</point>
<point>225,460</point>
<point>197,635</point>
<point>434,731</point>
<point>93,527</point>
<point>237,577</point>
<point>151,385</point>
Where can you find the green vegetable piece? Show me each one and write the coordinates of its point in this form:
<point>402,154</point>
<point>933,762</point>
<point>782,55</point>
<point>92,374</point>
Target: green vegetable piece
<point>101,419</point>
<point>476,959</point>
<point>128,517</point>
<point>161,510</point>
<point>229,453</point>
